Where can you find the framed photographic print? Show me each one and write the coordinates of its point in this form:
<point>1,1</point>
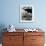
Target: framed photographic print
<point>26,13</point>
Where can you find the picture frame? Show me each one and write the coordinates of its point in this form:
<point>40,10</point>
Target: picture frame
<point>26,13</point>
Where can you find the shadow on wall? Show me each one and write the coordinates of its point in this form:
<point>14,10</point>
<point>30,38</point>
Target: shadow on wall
<point>2,26</point>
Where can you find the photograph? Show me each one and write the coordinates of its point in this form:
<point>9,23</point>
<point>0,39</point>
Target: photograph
<point>26,13</point>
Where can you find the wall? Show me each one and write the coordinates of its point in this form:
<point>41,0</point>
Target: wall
<point>9,13</point>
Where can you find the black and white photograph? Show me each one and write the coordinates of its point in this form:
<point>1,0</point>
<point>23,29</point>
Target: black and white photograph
<point>26,13</point>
